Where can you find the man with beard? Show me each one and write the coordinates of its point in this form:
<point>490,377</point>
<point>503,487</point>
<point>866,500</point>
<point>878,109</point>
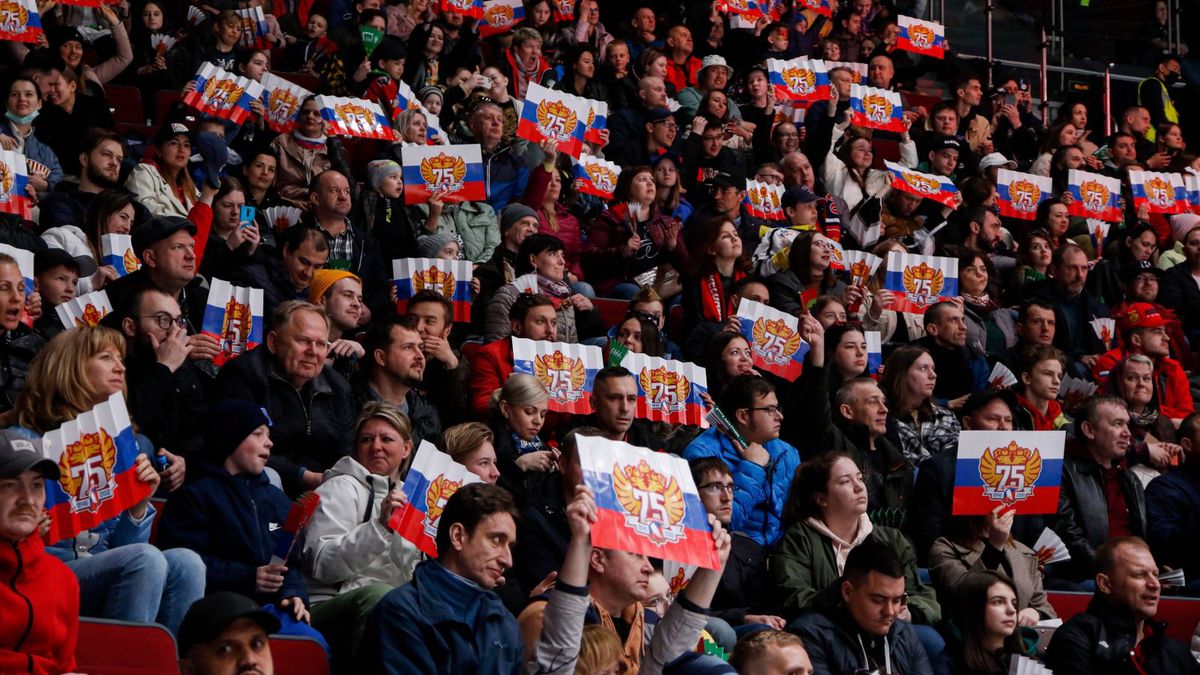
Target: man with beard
<point>350,248</point>
<point>99,167</point>
<point>392,371</point>
<point>976,229</point>
<point>1073,309</point>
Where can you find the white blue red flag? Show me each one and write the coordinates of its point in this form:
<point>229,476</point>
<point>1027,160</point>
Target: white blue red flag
<point>1019,470</point>
<point>775,341</point>
<point>799,79</point>
<point>919,281</point>
<point>281,100</point>
<point>24,258</point>
<point>222,94</point>
<point>20,21</point>
<point>819,6</point>
<point>858,70</point>
<point>1019,194</point>
<point>500,16</point>
<point>1191,183</point>
<point>567,370</point>
<point>1162,192</point>
<point>646,503</point>
<point>921,37</point>
<point>596,176</point>
<point>234,317</point>
<point>117,252</point>
<point>468,8</point>
<point>668,391</point>
<point>1098,231</point>
<point>938,188</point>
<point>449,278</point>
<point>96,455</point>
<point>748,10</point>
<point>345,116</point>
<point>432,479</point>
<point>557,116</point>
<point>596,121</point>
<point>14,180</point>
<point>89,3</point>
<point>455,170</point>
<point>254,28</point>
<point>860,266</point>
<point>876,108</point>
<point>1095,196</point>
<point>874,353</point>
<point>764,200</point>
<point>84,310</point>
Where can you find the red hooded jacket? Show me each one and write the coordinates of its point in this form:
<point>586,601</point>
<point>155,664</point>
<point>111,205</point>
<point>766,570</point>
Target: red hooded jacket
<point>39,610</point>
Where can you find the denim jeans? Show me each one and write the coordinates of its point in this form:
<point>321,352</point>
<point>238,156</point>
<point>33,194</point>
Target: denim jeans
<point>624,291</point>
<point>138,582</point>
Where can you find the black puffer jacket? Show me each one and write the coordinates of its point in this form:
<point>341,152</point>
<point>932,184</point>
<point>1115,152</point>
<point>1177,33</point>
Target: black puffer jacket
<point>17,349</point>
<point>1102,640</point>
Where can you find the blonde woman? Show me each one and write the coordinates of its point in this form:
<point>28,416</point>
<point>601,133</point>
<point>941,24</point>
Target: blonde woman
<point>519,413</point>
<point>470,444</point>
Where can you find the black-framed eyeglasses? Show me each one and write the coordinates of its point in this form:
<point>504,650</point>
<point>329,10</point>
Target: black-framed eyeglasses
<point>716,487</point>
<point>164,320</point>
<point>769,409</point>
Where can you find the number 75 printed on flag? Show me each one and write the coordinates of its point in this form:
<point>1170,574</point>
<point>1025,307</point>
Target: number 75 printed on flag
<point>1017,469</point>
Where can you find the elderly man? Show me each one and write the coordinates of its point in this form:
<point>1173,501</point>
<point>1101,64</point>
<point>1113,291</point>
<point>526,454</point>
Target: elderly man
<point>392,371</point>
<point>1118,633</point>
<point>505,165</point>
<point>40,596</point>
<point>226,633</point>
<point>307,401</point>
<point>1073,309</point>
<point>350,247</point>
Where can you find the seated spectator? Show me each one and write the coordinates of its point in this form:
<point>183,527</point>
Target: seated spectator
<point>614,401</point>
<point>392,371</point>
<point>121,576</point>
<point>350,247</point>
<point>506,167</point>
<point>111,212</point>
<point>24,104</point>
<point>716,264</point>
<point>308,402</point>
<point>549,195</point>
<point>540,255</point>
<point>1100,498</point>
<point>226,511</point>
<point>446,371</point>
<point>1040,374</point>
<point>68,113</point>
<point>1143,331</point>
<point>40,595</point>
<point>763,468</point>
<point>99,156</point>
<point>703,330</point>
<point>979,543</point>
<point>961,368</point>
<point>1035,326</point>
<point>164,185</point>
<point>858,622</point>
<point>769,652</point>
<point>519,415</point>
<point>517,222</point>
<point>226,631</point>
<point>909,379</point>
<point>424,626</point>
<point>232,242</point>
<point>1151,432</point>
<point>1173,506</point>
<point>808,275</point>
<point>727,356</point>
<point>302,252</point>
<point>382,211</point>
<point>56,276</point>
<point>20,343</point>
<point>351,555</point>
<point>302,154</point>
<point>1073,309</point>
<point>1118,633</point>
<point>990,327</point>
<point>987,631</point>
<point>339,293</point>
<point>470,444</point>
<point>533,317</point>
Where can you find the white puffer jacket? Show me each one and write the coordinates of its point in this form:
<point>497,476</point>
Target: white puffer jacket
<point>345,545</point>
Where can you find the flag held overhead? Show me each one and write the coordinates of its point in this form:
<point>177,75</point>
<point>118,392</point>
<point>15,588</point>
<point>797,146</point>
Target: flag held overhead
<point>876,109</point>
<point>1094,196</point>
<point>281,101</point>
<point>799,79</point>
<point>919,281</point>
<point>454,170</point>
<point>222,94</point>
<point>921,37</point>
<point>1019,194</point>
<point>775,341</point>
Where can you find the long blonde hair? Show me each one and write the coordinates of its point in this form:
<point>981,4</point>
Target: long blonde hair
<point>57,389</point>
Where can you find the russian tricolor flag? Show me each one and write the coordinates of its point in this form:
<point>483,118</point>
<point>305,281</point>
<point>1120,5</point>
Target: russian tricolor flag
<point>1191,184</point>
<point>450,278</point>
<point>763,200</point>
<point>938,188</point>
<point>919,281</point>
<point>346,116</point>
<point>14,182</point>
<point>1095,196</point>
<point>596,176</point>
<point>432,479</point>
<point>500,16</point>
<point>222,94</point>
<point>567,370</point>
<point>668,391</point>
<point>597,121</point>
<point>799,79</point>
<point>234,317</point>
<point>24,258</point>
<point>819,6</point>
<point>84,310</point>
<point>646,503</point>
<point>876,108</point>
<point>775,341</point>
<point>117,252</point>
<point>454,170</point>
<point>1162,192</point>
<point>281,100</point>
<point>20,21</point>
<point>1017,469</point>
<point>468,8</point>
<point>254,28</point>
<point>860,266</point>
<point>96,455</point>
<point>874,353</point>
<point>1019,194</point>
<point>921,37</point>
<point>549,115</point>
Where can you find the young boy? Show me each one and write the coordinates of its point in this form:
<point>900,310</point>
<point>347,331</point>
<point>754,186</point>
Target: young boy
<point>56,275</point>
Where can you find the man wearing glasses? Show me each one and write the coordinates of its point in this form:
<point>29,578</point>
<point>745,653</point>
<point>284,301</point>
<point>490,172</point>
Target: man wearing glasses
<point>762,466</point>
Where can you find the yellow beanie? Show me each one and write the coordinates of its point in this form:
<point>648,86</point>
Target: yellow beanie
<point>323,279</point>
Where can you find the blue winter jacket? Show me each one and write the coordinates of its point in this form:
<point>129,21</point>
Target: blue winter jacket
<point>506,174</point>
<point>441,623</point>
<point>228,520</point>
<point>759,493</point>
<point>38,152</point>
<point>1173,515</point>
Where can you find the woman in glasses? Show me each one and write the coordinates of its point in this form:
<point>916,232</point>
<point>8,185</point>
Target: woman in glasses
<point>827,513</point>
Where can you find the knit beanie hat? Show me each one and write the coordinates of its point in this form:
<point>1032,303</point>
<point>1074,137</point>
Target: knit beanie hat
<point>512,213</point>
<point>380,169</point>
<point>231,421</point>
<point>323,279</point>
<point>429,245</point>
<point>1182,224</point>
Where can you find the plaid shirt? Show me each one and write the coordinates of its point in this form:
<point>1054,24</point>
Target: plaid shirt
<point>341,249</point>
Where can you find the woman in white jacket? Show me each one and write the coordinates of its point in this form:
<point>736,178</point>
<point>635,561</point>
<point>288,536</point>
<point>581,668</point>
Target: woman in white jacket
<point>163,184</point>
<point>847,170</point>
<point>352,558</point>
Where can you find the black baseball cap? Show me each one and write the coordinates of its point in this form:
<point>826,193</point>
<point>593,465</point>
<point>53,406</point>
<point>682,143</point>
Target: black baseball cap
<point>945,143</point>
<point>171,130</point>
<point>158,228</point>
<point>19,454</point>
<point>798,194</point>
<point>208,617</point>
<point>726,179</point>
<point>981,399</point>
<point>1130,271</point>
<point>655,115</point>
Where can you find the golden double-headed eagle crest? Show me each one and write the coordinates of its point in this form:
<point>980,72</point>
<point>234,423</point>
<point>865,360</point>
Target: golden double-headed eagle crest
<point>563,376</point>
<point>774,340</point>
<point>1010,472</point>
<point>664,390</point>
<point>86,471</point>
<point>652,503</point>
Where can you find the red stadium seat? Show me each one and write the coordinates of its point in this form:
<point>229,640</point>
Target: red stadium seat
<point>299,655</point>
<point>675,328</point>
<point>1181,614</point>
<point>160,506</point>
<point>912,99</point>
<point>126,103</point>
<point>885,149</point>
<point>612,312</point>
<point>109,647</point>
<point>163,100</point>
<point>309,82</point>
